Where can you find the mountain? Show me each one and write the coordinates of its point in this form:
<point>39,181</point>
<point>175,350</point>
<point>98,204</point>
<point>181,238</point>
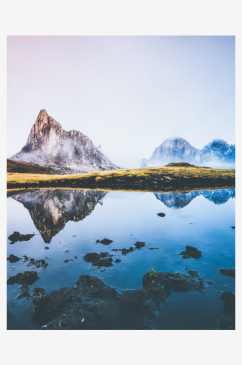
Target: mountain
<point>173,150</point>
<point>179,150</point>
<point>50,209</point>
<point>50,145</point>
<point>218,151</point>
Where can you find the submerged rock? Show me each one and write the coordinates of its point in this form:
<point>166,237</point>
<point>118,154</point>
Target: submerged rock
<point>191,252</point>
<point>37,263</point>
<point>126,250</point>
<point>161,214</point>
<point>105,241</point>
<point>227,272</point>
<point>24,289</point>
<point>102,307</point>
<point>193,273</point>
<point>102,259</point>
<point>12,258</point>
<point>117,260</point>
<point>227,321</point>
<point>38,291</point>
<point>139,244</point>
<point>27,277</point>
<point>16,236</point>
<point>172,281</point>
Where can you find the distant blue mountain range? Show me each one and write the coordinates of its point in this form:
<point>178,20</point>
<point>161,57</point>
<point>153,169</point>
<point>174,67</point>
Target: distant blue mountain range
<point>214,154</point>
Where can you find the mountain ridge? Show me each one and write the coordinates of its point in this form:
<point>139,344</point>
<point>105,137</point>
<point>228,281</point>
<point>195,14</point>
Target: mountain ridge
<point>179,150</point>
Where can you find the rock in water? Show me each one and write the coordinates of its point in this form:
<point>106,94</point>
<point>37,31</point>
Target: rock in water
<point>227,272</point>
<point>102,259</point>
<point>191,252</point>
<point>49,144</point>
<point>139,244</point>
<point>16,236</point>
<point>13,259</point>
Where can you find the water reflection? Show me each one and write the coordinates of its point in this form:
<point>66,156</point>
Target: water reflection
<point>126,257</point>
<point>182,200</point>
<point>51,209</point>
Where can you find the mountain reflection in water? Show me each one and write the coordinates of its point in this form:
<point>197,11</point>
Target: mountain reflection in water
<point>182,200</point>
<point>51,209</point>
<point>128,246</point>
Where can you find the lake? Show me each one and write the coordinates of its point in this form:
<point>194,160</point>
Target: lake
<point>69,224</point>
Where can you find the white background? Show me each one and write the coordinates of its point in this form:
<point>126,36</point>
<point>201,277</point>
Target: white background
<point>120,18</point>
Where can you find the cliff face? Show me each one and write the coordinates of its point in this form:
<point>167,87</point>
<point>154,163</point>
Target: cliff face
<point>50,210</point>
<point>179,150</point>
<point>49,144</point>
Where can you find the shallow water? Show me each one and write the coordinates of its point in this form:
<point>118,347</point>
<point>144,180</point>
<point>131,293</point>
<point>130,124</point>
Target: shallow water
<point>73,220</point>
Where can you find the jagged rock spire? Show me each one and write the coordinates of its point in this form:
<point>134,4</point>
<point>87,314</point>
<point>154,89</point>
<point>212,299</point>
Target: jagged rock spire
<point>49,144</point>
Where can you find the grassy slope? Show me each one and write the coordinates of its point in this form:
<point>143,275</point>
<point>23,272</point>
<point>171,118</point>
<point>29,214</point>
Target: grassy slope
<point>142,179</point>
<point>27,168</point>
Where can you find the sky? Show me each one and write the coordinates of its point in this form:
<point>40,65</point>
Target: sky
<point>127,94</point>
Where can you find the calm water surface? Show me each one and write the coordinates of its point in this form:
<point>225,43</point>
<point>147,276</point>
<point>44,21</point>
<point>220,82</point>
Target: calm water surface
<point>73,220</point>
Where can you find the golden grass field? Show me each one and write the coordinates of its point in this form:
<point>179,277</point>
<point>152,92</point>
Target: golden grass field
<point>141,179</point>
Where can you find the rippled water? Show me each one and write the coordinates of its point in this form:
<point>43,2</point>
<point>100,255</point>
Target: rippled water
<point>73,220</point>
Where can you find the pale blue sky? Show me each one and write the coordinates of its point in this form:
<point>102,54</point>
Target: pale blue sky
<point>126,93</point>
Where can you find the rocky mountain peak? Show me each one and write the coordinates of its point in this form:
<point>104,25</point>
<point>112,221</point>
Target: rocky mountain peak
<point>173,150</point>
<point>48,144</point>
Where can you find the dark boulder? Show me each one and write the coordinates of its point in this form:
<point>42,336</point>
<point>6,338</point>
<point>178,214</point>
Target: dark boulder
<point>191,252</point>
<point>227,272</point>
<point>227,321</point>
<point>126,250</point>
<point>99,259</point>
<point>139,244</point>
<point>13,258</point>
<point>16,236</point>
<point>26,277</point>
<point>105,241</point>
